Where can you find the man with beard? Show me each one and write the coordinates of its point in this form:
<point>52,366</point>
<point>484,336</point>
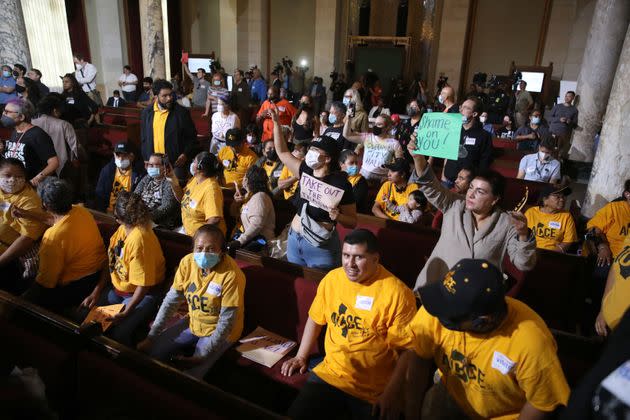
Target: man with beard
<point>166,127</point>
<point>286,111</point>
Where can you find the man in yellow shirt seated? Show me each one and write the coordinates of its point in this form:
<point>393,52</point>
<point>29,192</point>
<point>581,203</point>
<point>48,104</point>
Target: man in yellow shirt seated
<point>616,299</point>
<point>236,158</point>
<point>71,255</point>
<point>360,303</point>
<point>496,358</point>
<point>394,192</point>
<point>552,225</point>
<point>123,173</point>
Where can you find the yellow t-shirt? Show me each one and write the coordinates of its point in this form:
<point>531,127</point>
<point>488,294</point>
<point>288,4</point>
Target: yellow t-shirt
<point>159,122</point>
<point>614,220</point>
<point>71,249</point>
<point>12,228</point>
<point>135,259</point>
<point>122,182</point>
<point>354,179</point>
<point>617,300</point>
<point>359,359</point>
<point>286,174</point>
<point>388,190</point>
<point>235,167</point>
<point>514,364</point>
<point>222,287</point>
<point>200,202</point>
<point>551,229</point>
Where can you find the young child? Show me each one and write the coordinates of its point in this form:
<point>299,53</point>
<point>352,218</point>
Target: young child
<point>411,211</point>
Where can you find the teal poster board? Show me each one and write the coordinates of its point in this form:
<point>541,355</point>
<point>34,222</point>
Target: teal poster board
<point>438,135</point>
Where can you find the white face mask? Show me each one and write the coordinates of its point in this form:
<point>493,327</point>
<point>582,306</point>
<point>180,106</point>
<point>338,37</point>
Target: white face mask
<point>250,139</point>
<point>220,107</point>
<point>192,168</point>
<point>482,119</point>
<point>312,159</point>
<point>441,99</point>
<point>122,163</point>
<point>78,66</point>
<point>11,185</point>
<point>544,157</point>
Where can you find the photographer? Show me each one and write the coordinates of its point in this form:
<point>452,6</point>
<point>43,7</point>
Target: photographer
<point>318,94</point>
<point>338,86</point>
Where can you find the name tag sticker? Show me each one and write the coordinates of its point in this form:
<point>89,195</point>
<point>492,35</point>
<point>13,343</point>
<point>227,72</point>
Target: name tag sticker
<point>226,163</point>
<point>531,169</point>
<point>502,363</point>
<point>364,302</point>
<point>282,108</point>
<point>192,204</point>
<point>555,225</point>
<point>214,289</point>
<point>276,174</point>
<point>240,89</point>
<point>618,382</point>
<point>5,206</point>
<point>470,141</point>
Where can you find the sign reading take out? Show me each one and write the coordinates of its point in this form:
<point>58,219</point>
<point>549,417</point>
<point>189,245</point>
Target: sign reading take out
<point>438,135</point>
<point>318,193</point>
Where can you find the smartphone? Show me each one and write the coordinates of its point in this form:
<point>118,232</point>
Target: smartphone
<point>352,108</point>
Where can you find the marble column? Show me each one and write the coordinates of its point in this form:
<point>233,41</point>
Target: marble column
<point>253,34</point>
<point>152,33</point>
<point>326,39</point>
<point>603,46</point>
<point>611,167</point>
<point>228,34</point>
<point>13,41</point>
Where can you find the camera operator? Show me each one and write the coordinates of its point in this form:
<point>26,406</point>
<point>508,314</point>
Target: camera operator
<point>338,86</point>
<point>498,103</point>
<point>318,94</point>
<point>523,102</point>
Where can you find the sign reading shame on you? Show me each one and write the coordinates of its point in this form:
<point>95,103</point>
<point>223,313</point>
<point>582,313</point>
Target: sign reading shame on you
<point>318,193</point>
<point>438,135</point>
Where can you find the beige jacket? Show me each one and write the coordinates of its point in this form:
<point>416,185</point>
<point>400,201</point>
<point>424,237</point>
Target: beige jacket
<point>258,217</point>
<point>459,240</point>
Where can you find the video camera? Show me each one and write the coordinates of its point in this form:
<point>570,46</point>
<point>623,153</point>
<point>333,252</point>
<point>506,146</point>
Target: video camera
<point>442,81</point>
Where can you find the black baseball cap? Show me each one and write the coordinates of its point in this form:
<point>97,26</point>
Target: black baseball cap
<point>398,165</point>
<point>555,189</point>
<point>122,148</point>
<point>233,136</point>
<point>328,145</point>
<point>470,289</point>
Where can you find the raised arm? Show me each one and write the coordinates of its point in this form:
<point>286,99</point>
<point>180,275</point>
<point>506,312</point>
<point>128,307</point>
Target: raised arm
<point>282,149</point>
<point>347,133</point>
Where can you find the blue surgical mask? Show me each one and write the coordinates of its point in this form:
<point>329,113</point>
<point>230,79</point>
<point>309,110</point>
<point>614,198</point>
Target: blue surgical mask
<point>346,101</point>
<point>332,118</point>
<point>535,120</point>
<point>465,119</point>
<point>153,172</point>
<point>6,73</point>
<point>440,99</point>
<point>206,260</point>
<point>352,170</point>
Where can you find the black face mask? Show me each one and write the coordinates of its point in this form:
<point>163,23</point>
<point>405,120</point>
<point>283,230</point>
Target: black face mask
<point>377,131</point>
<point>234,144</point>
<point>274,98</point>
<point>271,155</point>
<point>412,111</point>
<point>15,73</point>
<point>19,89</point>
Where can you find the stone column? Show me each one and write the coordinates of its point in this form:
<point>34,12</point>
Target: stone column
<point>612,162</point>
<point>253,34</point>
<point>228,35</point>
<point>13,41</point>
<point>603,46</point>
<point>326,39</point>
<point>152,32</point>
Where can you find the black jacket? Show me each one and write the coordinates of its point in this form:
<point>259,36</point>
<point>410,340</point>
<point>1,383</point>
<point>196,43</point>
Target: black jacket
<point>478,145</point>
<point>180,135</point>
<point>121,101</point>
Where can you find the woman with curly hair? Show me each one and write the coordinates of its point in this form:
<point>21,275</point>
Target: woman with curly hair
<point>256,212</point>
<point>136,266</point>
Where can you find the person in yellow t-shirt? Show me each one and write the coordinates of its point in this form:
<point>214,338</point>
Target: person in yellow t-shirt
<point>288,182</point>
<point>71,255</point>
<point>394,192</point>
<point>349,163</point>
<point>136,266</point>
<point>553,226</point>
<point>214,286</point>
<point>202,200</point>
<point>611,225</point>
<point>235,157</point>
<point>121,174</point>
<point>495,356</point>
<point>18,235</point>
<point>616,299</point>
<point>361,303</point>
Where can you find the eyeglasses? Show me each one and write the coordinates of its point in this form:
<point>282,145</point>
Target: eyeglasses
<point>6,111</point>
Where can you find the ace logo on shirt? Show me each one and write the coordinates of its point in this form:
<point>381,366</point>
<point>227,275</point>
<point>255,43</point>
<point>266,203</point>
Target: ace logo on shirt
<point>543,231</point>
<point>349,323</point>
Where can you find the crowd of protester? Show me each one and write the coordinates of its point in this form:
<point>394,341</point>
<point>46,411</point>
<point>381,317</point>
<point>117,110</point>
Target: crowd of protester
<point>495,356</point>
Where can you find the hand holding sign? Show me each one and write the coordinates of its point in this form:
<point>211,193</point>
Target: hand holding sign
<point>438,135</point>
<point>319,194</point>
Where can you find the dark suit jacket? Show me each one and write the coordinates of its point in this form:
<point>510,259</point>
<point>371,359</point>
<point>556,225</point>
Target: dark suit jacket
<point>180,135</point>
<point>121,101</point>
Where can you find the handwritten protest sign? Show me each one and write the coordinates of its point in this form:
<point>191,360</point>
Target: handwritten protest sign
<point>101,314</point>
<point>438,135</point>
<point>318,193</point>
<point>264,347</point>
